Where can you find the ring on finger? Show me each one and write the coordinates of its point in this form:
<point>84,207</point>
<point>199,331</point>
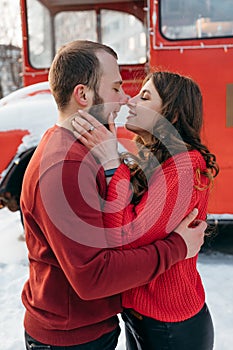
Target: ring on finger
<point>91,128</point>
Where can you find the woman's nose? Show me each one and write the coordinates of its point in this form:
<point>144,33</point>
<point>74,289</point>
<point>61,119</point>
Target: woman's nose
<point>132,101</point>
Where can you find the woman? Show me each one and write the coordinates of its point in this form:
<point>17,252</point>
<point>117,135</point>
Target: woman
<point>171,174</point>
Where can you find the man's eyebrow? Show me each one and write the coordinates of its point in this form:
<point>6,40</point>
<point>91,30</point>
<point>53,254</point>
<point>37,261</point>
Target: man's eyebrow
<point>119,82</point>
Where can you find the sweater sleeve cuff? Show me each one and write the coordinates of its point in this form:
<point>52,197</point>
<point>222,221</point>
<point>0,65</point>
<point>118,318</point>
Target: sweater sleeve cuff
<point>178,254</point>
<point>122,172</point>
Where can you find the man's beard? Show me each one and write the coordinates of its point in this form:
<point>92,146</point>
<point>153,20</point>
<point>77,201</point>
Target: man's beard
<point>97,110</point>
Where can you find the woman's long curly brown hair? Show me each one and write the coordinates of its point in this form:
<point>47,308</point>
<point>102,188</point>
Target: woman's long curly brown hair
<point>177,130</point>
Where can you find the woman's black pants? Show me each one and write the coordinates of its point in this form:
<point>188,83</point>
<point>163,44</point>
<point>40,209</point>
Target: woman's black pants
<point>145,333</point>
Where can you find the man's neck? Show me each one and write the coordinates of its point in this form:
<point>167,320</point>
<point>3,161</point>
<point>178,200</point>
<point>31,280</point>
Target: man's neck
<point>64,120</point>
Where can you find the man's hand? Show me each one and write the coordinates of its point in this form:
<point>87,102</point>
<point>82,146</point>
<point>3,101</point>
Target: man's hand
<point>193,236</point>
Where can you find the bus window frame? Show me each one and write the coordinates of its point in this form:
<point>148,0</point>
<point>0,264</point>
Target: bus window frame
<point>87,7</point>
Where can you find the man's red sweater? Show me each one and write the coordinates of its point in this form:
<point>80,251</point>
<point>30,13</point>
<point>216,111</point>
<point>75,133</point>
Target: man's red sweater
<point>178,293</point>
<point>72,295</point>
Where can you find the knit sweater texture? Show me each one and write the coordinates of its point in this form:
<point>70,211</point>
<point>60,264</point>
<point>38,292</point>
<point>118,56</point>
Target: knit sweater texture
<point>72,295</point>
<point>178,293</point>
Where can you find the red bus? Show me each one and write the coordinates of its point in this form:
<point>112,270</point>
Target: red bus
<point>194,38</point>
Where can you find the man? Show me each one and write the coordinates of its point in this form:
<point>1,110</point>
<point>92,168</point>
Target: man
<point>72,297</point>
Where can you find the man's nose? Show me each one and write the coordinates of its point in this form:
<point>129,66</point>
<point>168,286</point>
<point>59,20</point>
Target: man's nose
<point>124,98</point>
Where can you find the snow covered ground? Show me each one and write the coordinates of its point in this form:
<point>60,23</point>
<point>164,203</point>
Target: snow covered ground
<point>216,270</point>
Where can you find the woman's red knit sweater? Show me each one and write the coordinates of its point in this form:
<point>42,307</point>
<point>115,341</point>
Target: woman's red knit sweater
<point>178,293</point>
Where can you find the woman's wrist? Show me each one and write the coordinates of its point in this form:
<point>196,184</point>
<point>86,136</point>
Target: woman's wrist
<point>114,163</point>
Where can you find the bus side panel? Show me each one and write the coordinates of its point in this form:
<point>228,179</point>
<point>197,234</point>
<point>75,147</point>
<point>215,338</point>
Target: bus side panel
<point>12,139</point>
<point>212,69</point>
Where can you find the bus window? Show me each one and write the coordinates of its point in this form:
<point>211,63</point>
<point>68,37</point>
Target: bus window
<point>39,34</point>
<point>187,19</point>
<point>125,34</point>
<point>74,25</point>
<point>68,26</point>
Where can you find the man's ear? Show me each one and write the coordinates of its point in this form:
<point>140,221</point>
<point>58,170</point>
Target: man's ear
<point>81,95</point>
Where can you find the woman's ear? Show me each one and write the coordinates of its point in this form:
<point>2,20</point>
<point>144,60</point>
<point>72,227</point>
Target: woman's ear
<point>175,118</point>
<point>81,95</point>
